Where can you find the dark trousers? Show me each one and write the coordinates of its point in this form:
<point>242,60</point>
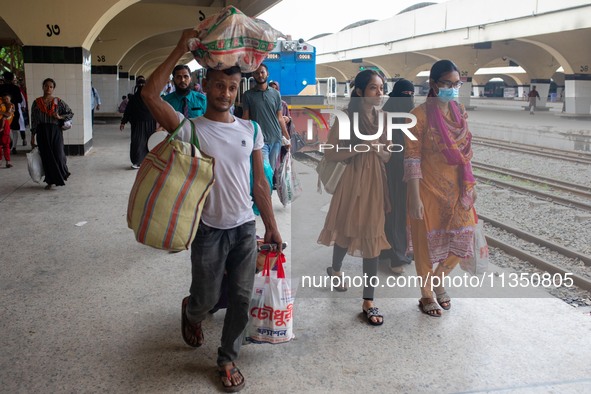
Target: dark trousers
<point>214,252</point>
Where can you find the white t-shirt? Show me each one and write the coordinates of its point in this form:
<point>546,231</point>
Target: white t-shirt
<point>229,203</point>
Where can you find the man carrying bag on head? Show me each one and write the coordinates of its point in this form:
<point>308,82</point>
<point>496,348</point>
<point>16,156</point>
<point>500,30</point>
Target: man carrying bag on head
<point>226,239</point>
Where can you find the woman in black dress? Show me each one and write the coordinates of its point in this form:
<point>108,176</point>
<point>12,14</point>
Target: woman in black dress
<point>401,100</point>
<point>48,113</point>
<point>142,122</point>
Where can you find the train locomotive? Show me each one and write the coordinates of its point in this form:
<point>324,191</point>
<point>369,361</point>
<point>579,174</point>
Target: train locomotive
<point>292,63</point>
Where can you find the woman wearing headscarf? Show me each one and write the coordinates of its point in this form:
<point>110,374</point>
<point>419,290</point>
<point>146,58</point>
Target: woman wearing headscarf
<point>354,223</point>
<point>48,113</point>
<point>401,100</point>
<point>440,186</point>
<point>142,122</point>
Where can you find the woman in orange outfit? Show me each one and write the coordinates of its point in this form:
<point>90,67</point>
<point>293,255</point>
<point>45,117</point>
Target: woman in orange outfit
<point>440,186</point>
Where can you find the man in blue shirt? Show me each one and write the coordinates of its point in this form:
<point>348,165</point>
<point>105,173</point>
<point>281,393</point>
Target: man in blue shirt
<point>184,99</point>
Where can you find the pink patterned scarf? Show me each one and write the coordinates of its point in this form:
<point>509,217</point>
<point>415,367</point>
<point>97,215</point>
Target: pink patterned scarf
<point>455,145</point>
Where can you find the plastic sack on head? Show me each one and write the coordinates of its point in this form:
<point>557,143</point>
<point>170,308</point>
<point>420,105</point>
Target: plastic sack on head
<point>231,38</point>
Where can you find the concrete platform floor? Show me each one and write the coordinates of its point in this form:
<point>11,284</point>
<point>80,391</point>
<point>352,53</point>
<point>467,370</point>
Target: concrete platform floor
<point>85,308</point>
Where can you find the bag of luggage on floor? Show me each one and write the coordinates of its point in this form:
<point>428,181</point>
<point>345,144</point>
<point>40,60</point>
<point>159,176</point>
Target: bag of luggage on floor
<point>271,306</point>
<point>477,264</point>
<point>35,165</point>
<point>168,194</point>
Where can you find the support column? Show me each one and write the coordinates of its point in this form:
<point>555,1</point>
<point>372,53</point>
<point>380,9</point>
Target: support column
<point>577,95</point>
<point>478,90</point>
<point>70,69</point>
<point>105,79</point>
<point>522,92</point>
<point>543,87</point>
<point>465,92</point>
<point>124,85</point>
<point>560,93</point>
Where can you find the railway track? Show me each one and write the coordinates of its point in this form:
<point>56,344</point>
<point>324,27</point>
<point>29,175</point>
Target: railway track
<point>577,157</point>
<point>547,196</point>
<point>557,184</point>
<point>579,190</point>
<point>537,261</point>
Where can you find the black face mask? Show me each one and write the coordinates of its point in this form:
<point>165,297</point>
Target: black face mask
<point>405,103</point>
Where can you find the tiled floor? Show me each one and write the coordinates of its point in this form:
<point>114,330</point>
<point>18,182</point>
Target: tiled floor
<point>84,308</point>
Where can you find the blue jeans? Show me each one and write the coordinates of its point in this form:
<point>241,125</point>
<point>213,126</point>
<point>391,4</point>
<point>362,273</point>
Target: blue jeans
<point>212,252</point>
<point>271,153</point>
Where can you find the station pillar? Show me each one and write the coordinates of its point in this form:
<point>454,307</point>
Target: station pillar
<point>465,92</point>
<point>522,92</point>
<point>106,80</point>
<point>125,85</point>
<point>577,89</point>
<point>543,88</point>
<point>478,90</point>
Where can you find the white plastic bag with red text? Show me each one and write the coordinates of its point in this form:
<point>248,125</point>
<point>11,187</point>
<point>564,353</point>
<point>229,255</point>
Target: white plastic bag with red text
<point>271,306</point>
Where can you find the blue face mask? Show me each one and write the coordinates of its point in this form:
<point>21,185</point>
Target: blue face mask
<point>448,94</point>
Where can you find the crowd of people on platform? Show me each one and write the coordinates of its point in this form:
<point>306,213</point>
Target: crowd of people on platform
<point>416,204</point>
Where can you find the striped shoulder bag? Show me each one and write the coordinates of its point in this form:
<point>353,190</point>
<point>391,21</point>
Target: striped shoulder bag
<point>169,192</point>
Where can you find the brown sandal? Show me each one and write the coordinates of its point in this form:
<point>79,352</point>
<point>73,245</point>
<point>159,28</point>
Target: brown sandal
<point>192,333</point>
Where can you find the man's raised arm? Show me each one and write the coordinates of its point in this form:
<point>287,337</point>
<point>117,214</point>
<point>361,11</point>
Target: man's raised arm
<point>160,109</point>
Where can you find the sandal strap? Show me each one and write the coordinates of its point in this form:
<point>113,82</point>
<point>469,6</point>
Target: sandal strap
<point>429,306</point>
<point>227,373</point>
<point>443,298</point>
<point>373,312</point>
